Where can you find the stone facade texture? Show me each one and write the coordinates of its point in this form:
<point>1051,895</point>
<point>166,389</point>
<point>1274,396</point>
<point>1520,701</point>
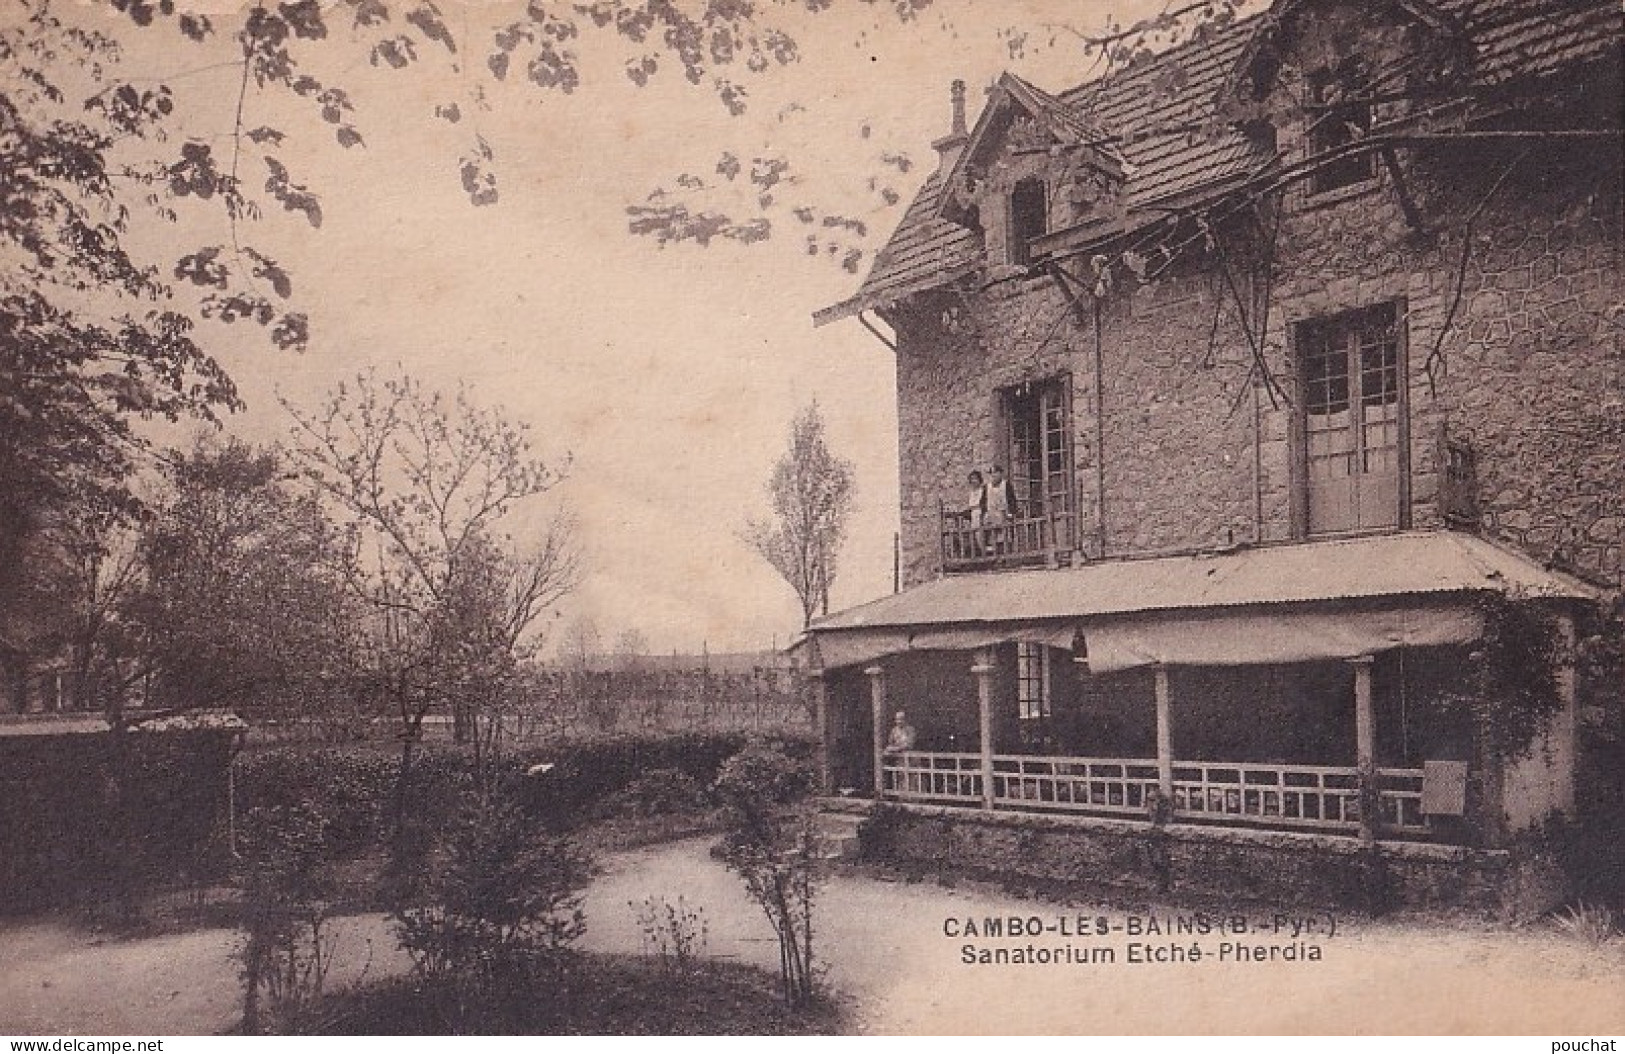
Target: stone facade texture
<point>1181,446</point>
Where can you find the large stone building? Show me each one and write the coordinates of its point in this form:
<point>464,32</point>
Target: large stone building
<point>1303,347</point>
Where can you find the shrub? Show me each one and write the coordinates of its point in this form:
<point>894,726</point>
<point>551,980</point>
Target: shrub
<point>588,771</point>
<point>674,932</point>
<point>498,907</point>
<point>658,792</point>
<point>286,952</point>
<point>102,818</point>
<point>771,844</point>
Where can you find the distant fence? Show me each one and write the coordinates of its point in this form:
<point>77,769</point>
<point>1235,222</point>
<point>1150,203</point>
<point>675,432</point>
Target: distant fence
<point>764,700</point>
<point>554,704</point>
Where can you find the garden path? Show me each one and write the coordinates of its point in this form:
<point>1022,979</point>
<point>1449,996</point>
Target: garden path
<point>886,943</point>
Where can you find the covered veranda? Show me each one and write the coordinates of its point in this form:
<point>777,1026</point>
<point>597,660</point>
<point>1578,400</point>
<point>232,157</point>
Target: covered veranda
<point>1314,686</point>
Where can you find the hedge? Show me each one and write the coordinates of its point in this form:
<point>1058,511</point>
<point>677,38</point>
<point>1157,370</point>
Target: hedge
<point>354,787</point>
<point>92,818</point>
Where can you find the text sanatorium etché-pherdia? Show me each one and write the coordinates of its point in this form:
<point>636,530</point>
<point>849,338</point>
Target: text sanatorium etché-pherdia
<point>1083,939</point>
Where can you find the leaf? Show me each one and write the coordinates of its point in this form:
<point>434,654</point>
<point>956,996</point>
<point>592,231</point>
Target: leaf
<point>292,333</point>
<point>369,12</point>
<point>553,68</point>
<point>449,112</point>
<point>347,136</point>
<point>203,268</point>
<point>478,182</point>
<point>293,197</point>
<point>732,96</point>
<point>426,17</point>
<point>304,17</point>
<point>265,134</point>
<point>396,52</point>
<point>856,226</point>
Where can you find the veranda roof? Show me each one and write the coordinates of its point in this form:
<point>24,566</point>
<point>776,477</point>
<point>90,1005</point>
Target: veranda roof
<point>1279,603</point>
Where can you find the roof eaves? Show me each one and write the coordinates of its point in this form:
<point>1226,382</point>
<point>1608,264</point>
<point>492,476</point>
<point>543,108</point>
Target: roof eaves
<point>1422,564</point>
<point>891,295</point>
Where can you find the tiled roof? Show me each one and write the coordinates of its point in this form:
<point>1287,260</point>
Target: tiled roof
<point>1071,122</point>
<point>925,250</point>
<point>1171,155</point>
<point>1538,37</point>
<point>1162,134</point>
<point>1411,564</point>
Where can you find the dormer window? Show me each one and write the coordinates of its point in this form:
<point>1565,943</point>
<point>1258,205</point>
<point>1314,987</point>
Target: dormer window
<point>1029,219</point>
<point>1339,115</point>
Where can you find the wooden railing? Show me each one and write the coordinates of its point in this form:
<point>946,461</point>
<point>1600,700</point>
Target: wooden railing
<point>1075,784</point>
<point>1310,797</point>
<point>1399,793</point>
<point>921,776</point>
<point>1289,795</point>
<point>1029,538</point>
<point>1316,796</point>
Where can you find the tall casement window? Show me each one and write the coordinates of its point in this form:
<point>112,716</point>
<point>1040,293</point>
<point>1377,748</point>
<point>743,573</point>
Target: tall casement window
<point>1353,423</point>
<point>1032,682</point>
<point>1029,219</point>
<point>1338,117</point>
<point>1038,417</point>
<point>1033,696</point>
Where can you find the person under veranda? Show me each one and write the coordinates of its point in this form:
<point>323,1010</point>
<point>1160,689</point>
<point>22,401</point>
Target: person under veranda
<point>902,735</point>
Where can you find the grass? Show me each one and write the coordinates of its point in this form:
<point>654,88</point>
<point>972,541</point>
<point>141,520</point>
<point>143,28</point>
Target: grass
<point>604,995</point>
<point>616,834</point>
<point>1591,923</point>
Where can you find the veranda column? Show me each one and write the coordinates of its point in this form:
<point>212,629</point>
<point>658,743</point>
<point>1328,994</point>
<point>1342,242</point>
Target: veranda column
<point>984,669</point>
<point>816,680</point>
<point>1165,740</point>
<point>1365,748</point>
<point>877,707</point>
<point>1565,729</point>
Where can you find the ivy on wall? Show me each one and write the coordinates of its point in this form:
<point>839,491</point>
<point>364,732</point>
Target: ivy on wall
<point>1510,686</point>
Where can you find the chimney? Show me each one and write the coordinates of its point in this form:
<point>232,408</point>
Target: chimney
<point>949,146</point>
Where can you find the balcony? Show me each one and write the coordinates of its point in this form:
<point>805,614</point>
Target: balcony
<point>1034,538</point>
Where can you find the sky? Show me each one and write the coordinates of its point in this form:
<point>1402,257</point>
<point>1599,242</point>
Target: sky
<point>667,376</point>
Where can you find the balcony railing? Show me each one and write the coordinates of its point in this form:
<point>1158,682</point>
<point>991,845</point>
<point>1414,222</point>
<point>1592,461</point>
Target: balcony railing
<point>926,777</point>
<point>1311,797</point>
<point>1031,537</point>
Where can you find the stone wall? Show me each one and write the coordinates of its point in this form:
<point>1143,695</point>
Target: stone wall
<point>1181,448</point>
<point>1195,864</point>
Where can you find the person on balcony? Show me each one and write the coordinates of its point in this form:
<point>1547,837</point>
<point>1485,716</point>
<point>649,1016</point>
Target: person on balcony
<point>998,509</point>
<point>974,512</point>
<point>902,735</point>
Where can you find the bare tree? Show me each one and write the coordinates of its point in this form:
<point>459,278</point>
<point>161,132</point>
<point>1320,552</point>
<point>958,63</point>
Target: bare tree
<point>581,644</point>
<point>425,480</point>
<point>811,495</point>
<point>631,648</point>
